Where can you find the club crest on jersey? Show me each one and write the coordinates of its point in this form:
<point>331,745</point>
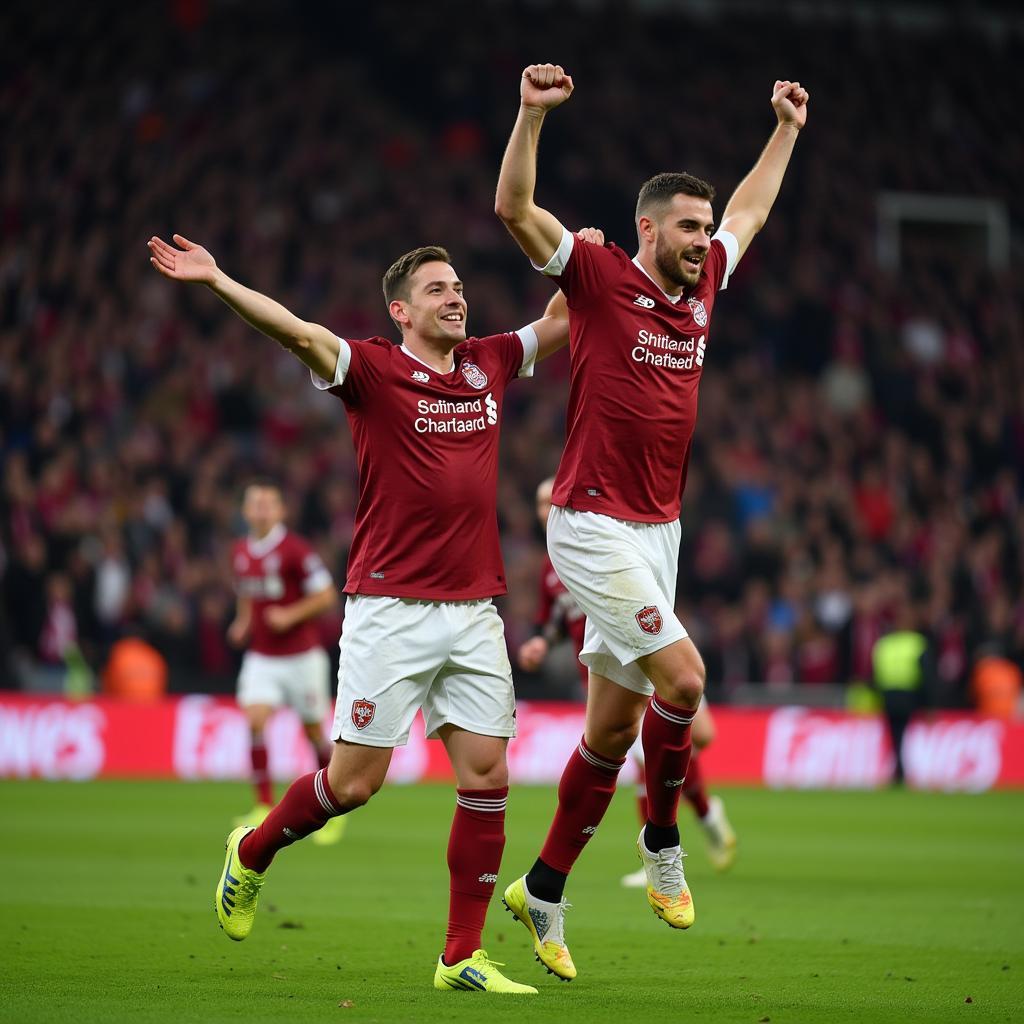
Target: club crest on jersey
<point>475,377</point>
<point>362,713</point>
<point>649,620</point>
<point>700,314</point>
<point>644,302</point>
<point>419,375</point>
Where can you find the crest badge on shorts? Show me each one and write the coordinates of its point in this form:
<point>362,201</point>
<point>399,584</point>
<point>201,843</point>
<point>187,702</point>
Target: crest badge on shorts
<point>474,376</point>
<point>649,620</point>
<point>362,712</point>
<point>700,314</point>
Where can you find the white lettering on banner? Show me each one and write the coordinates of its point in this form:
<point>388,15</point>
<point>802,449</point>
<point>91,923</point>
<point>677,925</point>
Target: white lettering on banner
<point>954,755</point>
<point>54,741</point>
<point>211,741</point>
<point>806,750</point>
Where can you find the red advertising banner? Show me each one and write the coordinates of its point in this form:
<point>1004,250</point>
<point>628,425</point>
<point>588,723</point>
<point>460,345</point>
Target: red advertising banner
<point>200,737</point>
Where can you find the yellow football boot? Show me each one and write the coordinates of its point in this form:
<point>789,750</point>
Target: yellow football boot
<point>477,973</point>
<point>545,922</point>
<point>667,891</point>
<point>238,890</point>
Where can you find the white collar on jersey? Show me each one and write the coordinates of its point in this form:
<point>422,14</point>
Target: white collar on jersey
<point>260,546</point>
<point>674,299</point>
<point>412,355</point>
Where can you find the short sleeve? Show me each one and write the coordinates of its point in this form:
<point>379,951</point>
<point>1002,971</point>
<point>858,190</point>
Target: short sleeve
<point>528,338</point>
<point>360,369</point>
<point>732,255</point>
<point>340,371</point>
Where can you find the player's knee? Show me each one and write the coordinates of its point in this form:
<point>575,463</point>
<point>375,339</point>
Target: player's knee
<point>686,688</point>
<point>495,777</point>
<point>614,739</point>
<point>354,791</point>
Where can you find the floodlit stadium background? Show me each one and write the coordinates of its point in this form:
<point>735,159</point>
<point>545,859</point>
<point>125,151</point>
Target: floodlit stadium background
<point>861,433</point>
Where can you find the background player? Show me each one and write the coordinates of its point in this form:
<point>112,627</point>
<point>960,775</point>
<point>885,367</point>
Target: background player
<point>420,628</point>
<point>282,586</point>
<point>558,616</point>
<point>639,334</point>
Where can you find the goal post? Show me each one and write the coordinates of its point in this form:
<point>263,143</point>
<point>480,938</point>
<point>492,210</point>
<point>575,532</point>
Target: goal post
<point>897,210</point>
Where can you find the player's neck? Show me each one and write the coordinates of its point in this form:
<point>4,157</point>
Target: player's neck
<point>260,536</point>
<point>650,268</point>
<point>437,355</point>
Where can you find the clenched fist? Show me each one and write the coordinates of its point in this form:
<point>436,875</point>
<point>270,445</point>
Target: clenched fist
<point>544,86</point>
<point>789,100</point>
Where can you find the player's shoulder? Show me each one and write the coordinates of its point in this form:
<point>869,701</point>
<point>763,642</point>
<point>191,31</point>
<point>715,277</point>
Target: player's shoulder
<point>609,253</point>
<point>375,346</point>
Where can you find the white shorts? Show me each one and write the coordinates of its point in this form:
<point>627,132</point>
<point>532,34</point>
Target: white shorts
<point>399,655</point>
<point>300,681</point>
<point>623,576</point>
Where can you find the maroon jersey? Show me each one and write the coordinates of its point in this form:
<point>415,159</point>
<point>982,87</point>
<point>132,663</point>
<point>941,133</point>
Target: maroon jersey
<point>636,364</point>
<point>558,614</point>
<point>278,569</point>
<point>427,447</point>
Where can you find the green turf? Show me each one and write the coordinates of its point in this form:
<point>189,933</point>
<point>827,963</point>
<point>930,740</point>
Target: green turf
<point>843,907</point>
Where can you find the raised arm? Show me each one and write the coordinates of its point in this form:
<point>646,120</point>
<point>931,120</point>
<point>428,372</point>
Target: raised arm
<point>538,232</point>
<point>553,328</point>
<point>750,204</point>
<point>316,346</point>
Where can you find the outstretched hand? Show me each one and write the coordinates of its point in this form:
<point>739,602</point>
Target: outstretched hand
<point>789,99</point>
<point>545,86</point>
<point>189,263</point>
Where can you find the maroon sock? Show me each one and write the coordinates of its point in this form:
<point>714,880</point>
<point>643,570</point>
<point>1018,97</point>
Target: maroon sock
<point>584,793</point>
<point>666,738</point>
<point>474,857</point>
<point>260,773</point>
<point>641,793</point>
<point>305,808</point>
<point>693,789</point>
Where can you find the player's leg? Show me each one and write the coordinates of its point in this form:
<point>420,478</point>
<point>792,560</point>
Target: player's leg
<point>377,701</point>
<point>355,773</point>
<point>710,810</point>
<point>471,708</point>
<point>588,782</point>
<point>584,792</point>
<point>259,695</point>
<point>677,673</point>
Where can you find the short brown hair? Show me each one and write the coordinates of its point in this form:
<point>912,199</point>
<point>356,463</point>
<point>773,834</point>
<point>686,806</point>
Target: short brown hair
<point>657,192</point>
<point>396,280</point>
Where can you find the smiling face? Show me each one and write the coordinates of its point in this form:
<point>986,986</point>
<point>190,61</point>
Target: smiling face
<point>435,308</point>
<point>677,242</point>
<point>674,224</point>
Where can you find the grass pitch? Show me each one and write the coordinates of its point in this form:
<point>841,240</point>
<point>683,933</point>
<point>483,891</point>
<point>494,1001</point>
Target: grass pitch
<point>890,906</point>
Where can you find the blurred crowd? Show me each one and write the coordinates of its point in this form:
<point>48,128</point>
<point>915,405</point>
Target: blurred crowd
<point>860,443</point>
